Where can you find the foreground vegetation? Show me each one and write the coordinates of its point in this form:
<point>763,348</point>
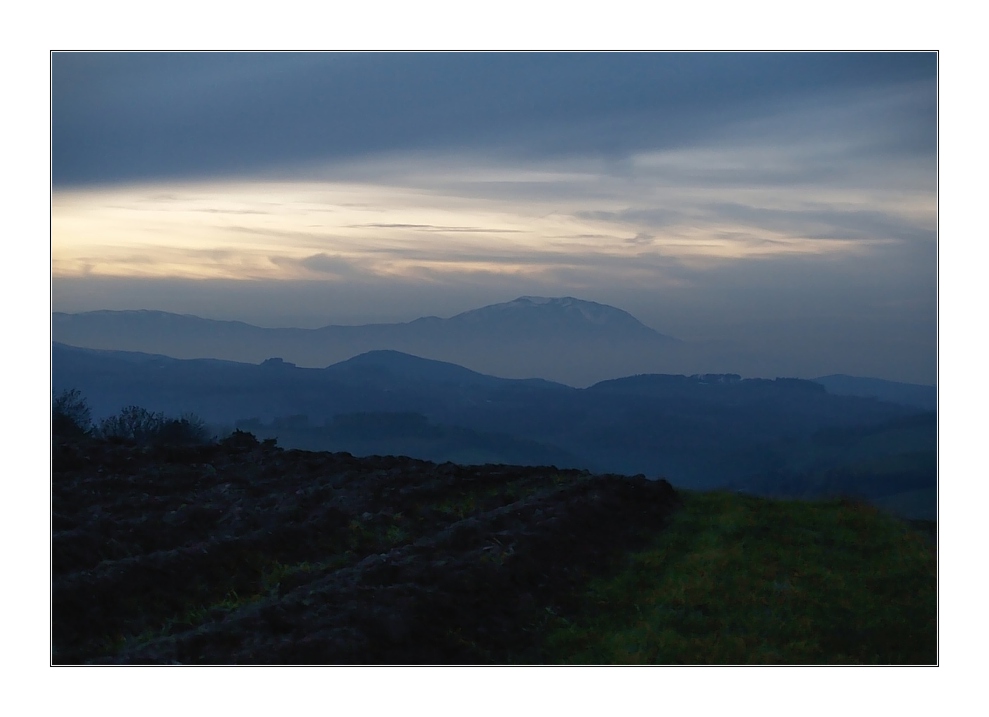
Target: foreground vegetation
<point>240,552</point>
<point>169,546</point>
<point>737,579</point>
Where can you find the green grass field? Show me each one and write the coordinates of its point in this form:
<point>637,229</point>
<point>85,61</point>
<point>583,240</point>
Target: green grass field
<point>743,580</point>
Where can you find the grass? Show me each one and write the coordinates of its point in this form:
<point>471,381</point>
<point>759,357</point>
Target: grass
<point>195,614</point>
<point>742,580</point>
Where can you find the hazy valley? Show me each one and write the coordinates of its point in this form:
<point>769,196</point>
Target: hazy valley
<point>835,435</point>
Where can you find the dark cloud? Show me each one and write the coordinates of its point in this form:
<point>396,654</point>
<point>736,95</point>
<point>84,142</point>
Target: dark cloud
<point>119,117</point>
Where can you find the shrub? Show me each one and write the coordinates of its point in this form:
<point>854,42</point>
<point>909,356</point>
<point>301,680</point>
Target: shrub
<point>189,429</point>
<point>71,414</point>
<point>143,426</point>
<point>133,423</point>
<point>240,439</point>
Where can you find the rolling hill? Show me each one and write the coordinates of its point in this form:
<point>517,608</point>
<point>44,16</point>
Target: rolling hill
<point>698,431</point>
<point>909,394</point>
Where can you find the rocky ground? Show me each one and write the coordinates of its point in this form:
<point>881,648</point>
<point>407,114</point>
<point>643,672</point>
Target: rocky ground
<point>241,552</point>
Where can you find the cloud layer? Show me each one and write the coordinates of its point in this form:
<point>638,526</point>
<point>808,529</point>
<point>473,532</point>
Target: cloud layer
<point>123,117</point>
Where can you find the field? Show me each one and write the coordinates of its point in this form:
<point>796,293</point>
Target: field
<point>241,552</point>
<point>739,580</point>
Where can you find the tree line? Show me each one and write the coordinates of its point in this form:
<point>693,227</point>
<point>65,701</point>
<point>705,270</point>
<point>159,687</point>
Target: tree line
<point>72,416</point>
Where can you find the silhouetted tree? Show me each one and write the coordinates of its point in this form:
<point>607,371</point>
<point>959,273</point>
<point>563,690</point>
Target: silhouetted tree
<point>71,414</point>
<point>143,426</point>
<point>133,423</point>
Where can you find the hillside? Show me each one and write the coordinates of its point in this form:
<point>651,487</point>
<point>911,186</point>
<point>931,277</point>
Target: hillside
<point>242,552</point>
<point>700,431</point>
<point>909,394</point>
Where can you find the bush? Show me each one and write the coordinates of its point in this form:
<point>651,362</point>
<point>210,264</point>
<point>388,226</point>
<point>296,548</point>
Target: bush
<point>189,429</point>
<point>71,414</point>
<point>143,426</point>
<point>240,439</point>
<point>134,424</point>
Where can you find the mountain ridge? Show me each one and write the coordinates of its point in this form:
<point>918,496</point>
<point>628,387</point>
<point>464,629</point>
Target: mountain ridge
<point>592,311</point>
<point>910,394</point>
<point>561,339</point>
<point>693,429</point>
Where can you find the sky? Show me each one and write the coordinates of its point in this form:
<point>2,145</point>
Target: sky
<point>778,208</point>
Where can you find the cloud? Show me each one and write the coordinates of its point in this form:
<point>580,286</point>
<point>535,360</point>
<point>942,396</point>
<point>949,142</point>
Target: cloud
<point>444,229</point>
<point>230,211</point>
<point>641,239</point>
<point>653,217</point>
<point>323,263</point>
<point>120,117</point>
<point>441,217</point>
<point>830,222</point>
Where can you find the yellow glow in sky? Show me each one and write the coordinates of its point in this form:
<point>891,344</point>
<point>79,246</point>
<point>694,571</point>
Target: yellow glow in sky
<point>486,222</point>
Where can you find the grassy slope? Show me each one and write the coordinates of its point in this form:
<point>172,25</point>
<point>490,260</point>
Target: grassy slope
<point>737,579</point>
<point>733,579</point>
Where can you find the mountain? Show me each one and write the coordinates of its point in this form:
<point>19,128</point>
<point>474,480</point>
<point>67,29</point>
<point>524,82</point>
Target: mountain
<point>908,394</point>
<point>699,431</point>
<point>534,317</point>
<point>383,367</point>
<point>375,403</point>
<point>564,339</point>
<point>223,391</point>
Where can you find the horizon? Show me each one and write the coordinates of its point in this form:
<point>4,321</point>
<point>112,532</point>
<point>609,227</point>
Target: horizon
<point>454,363</point>
<point>779,209</point>
<point>373,352</point>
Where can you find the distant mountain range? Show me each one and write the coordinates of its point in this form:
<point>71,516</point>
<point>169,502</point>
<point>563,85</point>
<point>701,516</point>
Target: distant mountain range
<point>700,431</point>
<point>565,339</point>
